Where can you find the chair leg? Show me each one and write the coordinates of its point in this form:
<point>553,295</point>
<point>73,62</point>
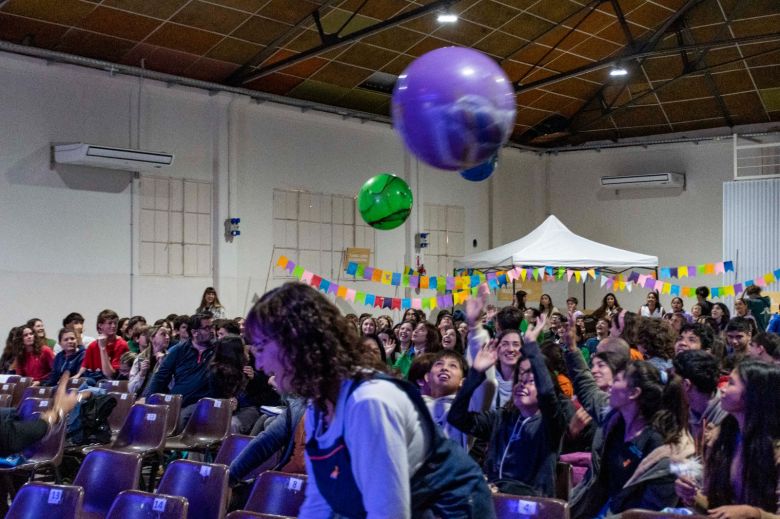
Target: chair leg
<point>153,473</point>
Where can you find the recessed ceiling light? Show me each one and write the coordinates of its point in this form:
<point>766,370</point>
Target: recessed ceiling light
<point>618,71</point>
<point>447,18</point>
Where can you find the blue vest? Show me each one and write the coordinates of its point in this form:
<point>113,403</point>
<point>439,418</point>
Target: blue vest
<point>449,483</point>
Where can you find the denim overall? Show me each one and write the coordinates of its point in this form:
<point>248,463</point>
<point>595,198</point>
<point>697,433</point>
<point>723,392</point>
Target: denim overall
<point>448,483</point>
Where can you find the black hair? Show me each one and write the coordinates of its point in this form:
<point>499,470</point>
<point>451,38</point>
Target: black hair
<point>374,337</point>
<point>226,368</point>
<point>616,361</point>
<point>662,405</point>
<point>704,333</point>
<point>770,342</point>
<point>509,318</point>
<point>700,367</point>
<point>73,317</point>
<point>195,320</point>
<point>740,324</point>
<point>420,366</point>
<point>452,355</point>
<point>229,325</point>
<point>703,292</point>
<point>762,430</point>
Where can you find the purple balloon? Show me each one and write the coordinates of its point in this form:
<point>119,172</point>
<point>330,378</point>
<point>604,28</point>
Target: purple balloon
<point>454,107</point>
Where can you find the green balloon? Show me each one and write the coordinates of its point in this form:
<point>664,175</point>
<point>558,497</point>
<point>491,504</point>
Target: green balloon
<point>385,201</point>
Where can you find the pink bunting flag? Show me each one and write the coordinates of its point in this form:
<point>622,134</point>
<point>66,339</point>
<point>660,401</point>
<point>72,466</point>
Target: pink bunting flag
<point>719,268</point>
<point>350,296</point>
<point>417,303</point>
<point>307,276</point>
<point>569,274</point>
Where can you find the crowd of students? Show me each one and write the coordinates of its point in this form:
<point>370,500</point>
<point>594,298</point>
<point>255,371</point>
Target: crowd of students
<point>657,409</point>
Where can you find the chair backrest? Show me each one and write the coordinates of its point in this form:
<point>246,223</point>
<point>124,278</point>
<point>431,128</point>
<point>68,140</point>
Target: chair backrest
<point>563,478</point>
<point>124,402</point>
<point>45,500</point>
<point>37,392</point>
<point>50,449</point>
<point>104,474</point>
<point>246,514</point>
<point>9,388</point>
<point>209,423</point>
<point>134,504</point>
<point>7,379</point>
<point>144,429</point>
<point>525,507</point>
<point>174,408</point>
<point>277,493</point>
<point>635,513</point>
<point>205,485</point>
<point>75,383</point>
<point>231,447</point>
<point>32,405</point>
<point>21,384</point>
<point>118,386</point>
<point>5,400</point>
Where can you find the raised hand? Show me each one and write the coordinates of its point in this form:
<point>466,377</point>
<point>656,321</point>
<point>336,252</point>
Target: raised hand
<point>486,357</point>
<point>475,305</point>
<point>535,329</point>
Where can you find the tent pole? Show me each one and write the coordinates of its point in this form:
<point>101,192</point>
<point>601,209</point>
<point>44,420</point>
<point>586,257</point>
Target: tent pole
<point>584,299</point>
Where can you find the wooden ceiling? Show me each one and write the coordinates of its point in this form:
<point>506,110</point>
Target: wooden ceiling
<point>692,64</point>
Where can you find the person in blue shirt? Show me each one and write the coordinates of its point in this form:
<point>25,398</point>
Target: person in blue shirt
<point>69,359</point>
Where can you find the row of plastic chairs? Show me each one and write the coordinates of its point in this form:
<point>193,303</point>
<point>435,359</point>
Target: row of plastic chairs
<point>14,388</point>
<point>106,486</point>
<point>145,431</point>
<point>101,484</point>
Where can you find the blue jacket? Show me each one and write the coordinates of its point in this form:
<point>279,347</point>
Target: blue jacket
<point>62,364</point>
<point>280,434</point>
<point>774,324</point>
<point>189,371</point>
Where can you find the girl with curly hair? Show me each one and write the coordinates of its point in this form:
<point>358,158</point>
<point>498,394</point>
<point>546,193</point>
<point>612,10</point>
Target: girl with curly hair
<point>359,423</point>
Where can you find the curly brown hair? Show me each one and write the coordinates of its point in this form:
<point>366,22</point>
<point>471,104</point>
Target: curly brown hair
<point>319,344</point>
<point>657,337</point>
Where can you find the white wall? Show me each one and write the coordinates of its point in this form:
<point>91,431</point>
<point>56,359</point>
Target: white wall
<point>680,227</point>
<point>70,243</point>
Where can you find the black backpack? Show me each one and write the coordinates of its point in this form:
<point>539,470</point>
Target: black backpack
<point>92,423</point>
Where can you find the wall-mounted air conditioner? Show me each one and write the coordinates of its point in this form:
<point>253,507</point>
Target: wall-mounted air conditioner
<point>651,180</point>
<point>110,157</point>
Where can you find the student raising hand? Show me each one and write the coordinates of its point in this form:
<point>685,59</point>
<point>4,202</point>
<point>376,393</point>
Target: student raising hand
<point>535,329</point>
<point>475,305</point>
<point>486,357</point>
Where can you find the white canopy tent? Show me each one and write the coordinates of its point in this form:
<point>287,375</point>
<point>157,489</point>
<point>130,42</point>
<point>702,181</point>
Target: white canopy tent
<point>553,244</point>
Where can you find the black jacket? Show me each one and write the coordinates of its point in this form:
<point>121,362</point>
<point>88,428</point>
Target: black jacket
<point>531,457</point>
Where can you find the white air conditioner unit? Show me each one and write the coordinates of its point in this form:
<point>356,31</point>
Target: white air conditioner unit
<point>110,157</point>
<point>651,180</point>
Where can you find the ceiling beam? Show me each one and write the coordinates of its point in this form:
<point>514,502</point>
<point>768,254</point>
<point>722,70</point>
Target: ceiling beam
<point>683,35</point>
<point>551,49</point>
<point>760,38</point>
<point>342,40</point>
<point>648,44</point>
<point>258,59</point>
<point>592,5</point>
<point>672,81</point>
<point>623,24</point>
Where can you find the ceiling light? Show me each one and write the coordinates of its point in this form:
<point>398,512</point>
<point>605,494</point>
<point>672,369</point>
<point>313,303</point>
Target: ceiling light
<point>618,71</point>
<point>447,18</point>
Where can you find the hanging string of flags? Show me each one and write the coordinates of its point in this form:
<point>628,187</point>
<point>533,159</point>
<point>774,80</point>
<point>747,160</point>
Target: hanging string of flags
<point>392,303</point>
<point>454,290</point>
<point>691,271</point>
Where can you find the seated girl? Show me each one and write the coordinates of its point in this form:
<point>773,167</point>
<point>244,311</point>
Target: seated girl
<point>645,433</point>
<point>525,434</point>
<point>742,468</point>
